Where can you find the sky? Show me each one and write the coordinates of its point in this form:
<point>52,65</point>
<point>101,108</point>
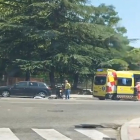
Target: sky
<point>129,11</point>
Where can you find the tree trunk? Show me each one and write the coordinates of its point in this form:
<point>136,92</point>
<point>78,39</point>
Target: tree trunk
<point>76,77</point>
<point>27,77</point>
<point>52,79</point>
<point>92,82</point>
<point>86,83</point>
<point>61,78</point>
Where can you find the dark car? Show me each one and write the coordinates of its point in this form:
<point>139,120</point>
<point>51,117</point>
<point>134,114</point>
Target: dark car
<point>26,88</point>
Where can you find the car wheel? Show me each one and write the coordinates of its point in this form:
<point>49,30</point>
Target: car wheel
<point>5,93</point>
<point>41,94</point>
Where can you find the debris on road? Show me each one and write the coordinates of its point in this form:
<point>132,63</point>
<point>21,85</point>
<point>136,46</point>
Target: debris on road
<point>38,97</point>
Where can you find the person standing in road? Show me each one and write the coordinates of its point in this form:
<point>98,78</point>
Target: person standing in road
<point>137,90</point>
<point>67,89</point>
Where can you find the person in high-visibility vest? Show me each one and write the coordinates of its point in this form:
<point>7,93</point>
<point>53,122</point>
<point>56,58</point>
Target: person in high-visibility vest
<point>67,89</point>
<point>137,90</point>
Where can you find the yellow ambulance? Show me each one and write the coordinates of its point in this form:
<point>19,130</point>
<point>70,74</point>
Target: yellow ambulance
<point>111,84</point>
<point>104,83</point>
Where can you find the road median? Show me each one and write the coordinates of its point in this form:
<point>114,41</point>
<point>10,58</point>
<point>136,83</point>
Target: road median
<point>131,130</point>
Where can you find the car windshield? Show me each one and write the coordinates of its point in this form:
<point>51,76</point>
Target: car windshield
<point>44,85</point>
<point>100,80</point>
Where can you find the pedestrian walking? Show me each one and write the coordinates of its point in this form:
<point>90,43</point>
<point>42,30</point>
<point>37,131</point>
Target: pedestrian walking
<point>67,89</point>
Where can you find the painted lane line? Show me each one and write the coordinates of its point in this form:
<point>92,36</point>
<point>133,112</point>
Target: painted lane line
<point>93,134</point>
<point>50,134</point>
<point>7,134</point>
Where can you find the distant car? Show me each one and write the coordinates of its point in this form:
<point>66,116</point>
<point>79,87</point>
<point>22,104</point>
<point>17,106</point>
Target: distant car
<point>26,88</point>
<point>87,91</point>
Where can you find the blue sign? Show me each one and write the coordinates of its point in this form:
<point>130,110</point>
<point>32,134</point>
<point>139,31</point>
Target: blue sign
<point>99,69</point>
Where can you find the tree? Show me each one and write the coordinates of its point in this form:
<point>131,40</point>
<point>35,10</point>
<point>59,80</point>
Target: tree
<point>63,36</point>
<point>117,64</point>
<point>133,59</point>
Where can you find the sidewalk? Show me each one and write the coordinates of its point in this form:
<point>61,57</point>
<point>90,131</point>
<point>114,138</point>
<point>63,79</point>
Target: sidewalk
<point>78,96</point>
<point>131,130</point>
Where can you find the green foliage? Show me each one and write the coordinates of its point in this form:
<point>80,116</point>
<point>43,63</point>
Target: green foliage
<point>117,64</point>
<point>133,59</point>
<point>63,36</point>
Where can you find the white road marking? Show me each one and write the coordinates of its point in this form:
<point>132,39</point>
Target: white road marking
<point>93,134</point>
<point>50,134</point>
<point>7,134</point>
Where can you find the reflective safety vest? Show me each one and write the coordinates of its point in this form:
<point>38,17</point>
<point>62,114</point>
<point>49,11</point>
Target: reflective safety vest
<point>138,87</point>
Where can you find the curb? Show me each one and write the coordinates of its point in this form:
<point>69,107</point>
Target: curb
<point>124,132</point>
<point>71,97</point>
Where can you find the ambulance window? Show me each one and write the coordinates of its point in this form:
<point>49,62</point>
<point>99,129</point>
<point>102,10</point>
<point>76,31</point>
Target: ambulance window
<point>124,81</point>
<point>100,80</point>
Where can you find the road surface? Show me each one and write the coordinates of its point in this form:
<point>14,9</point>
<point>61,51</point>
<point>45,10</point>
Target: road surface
<point>43,119</point>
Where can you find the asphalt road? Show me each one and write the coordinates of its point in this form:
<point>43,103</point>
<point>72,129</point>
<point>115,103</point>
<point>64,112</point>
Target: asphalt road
<point>22,115</point>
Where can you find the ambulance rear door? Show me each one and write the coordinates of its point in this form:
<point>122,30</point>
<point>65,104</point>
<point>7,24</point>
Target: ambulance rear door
<point>100,85</point>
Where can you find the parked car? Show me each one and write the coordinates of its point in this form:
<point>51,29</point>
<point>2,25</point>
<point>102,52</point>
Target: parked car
<point>26,88</point>
<point>87,92</point>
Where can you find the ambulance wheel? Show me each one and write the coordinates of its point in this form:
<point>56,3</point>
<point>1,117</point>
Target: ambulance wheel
<point>114,97</point>
<point>101,98</point>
